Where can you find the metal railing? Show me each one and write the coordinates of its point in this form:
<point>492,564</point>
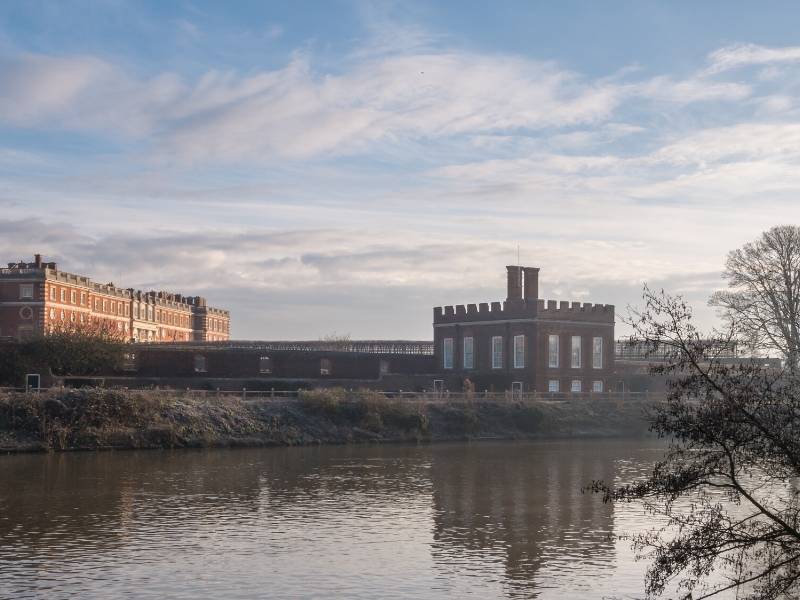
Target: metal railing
<point>427,396</point>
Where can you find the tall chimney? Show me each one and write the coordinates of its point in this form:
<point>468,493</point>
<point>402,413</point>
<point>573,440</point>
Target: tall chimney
<point>37,259</point>
<point>514,283</point>
<point>531,283</point>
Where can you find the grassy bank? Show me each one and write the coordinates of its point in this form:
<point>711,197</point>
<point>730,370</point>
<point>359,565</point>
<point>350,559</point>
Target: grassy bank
<point>102,418</point>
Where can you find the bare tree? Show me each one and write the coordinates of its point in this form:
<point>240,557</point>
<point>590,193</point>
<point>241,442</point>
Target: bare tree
<point>763,299</point>
<point>726,488</point>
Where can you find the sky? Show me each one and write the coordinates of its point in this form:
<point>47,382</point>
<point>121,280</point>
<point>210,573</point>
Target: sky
<point>341,167</point>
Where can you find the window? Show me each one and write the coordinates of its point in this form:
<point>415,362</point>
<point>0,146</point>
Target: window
<point>597,353</point>
<point>497,352</point>
<point>105,305</point>
<point>447,353</point>
<point>199,363</point>
<point>469,353</point>
<point>72,317</point>
<point>383,367</point>
<point>597,386</point>
<point>576,386</point>
<point>519,351</point>
<point>26,291</point>
<point>576,352</point>
<point>83,318</point>
<point>552,386</point>
<point>552,351</point>
<point>63,295</point>
<point>62,315</point>
<point>24,332</point>
<point>52,315</point>
<point>127,310</point>
<point>73,297</point>
<point>265,364</point>
<point>53,293</point>
<point>83,298</point>
<point>325,367</point>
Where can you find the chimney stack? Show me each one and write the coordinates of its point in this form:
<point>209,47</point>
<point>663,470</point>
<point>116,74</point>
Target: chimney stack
<point>514,283</point>
<point>531,283</point>
<point>37,259</point>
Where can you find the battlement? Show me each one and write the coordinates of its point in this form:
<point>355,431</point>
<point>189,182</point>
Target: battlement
<point>524,309</point>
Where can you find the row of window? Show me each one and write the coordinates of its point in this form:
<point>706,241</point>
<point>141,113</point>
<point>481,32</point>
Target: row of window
<point>498,345</point>
<point>118,308</point>
<point>575,387</point>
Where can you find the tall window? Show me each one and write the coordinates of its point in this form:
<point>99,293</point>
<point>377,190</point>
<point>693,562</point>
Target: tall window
<point>447,353</point>
<point>83,298</point>
<point>519,351</point>
<point>552,385</point>
<point>469,353</point>
<point>576,386</point>
<point>325,366</point>
<point>63,295</point>
<point>597,386</point>
<point>265,364</point>
<point>576,352</point>
<point>597,353</point>
<point>73,297</point>
<point>552,351</point>
<point>199,363</point>
<point>497,352</point>
<point>26,291</point>
<point>53,293</point>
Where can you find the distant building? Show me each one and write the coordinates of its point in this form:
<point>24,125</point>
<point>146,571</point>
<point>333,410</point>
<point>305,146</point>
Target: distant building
<point>36,298</point>
<point>525,343</point>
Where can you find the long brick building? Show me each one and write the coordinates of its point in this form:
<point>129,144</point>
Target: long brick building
<point>37,297</point>
<point>526,343</point>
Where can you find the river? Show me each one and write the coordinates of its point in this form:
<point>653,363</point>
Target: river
<point>481,520</point>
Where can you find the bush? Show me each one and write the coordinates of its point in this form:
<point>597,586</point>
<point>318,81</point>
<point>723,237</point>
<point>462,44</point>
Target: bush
<point>322,401</point>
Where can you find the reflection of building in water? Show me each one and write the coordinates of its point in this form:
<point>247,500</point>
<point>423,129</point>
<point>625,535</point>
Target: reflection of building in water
<point>524,510</point>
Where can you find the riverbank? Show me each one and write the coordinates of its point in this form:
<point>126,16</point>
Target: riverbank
<point>94,419</point>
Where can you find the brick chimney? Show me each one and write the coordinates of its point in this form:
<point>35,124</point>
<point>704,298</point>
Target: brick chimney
<point>514,283</point>
<point>531,276</point>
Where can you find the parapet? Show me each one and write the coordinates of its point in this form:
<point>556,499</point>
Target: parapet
<point>575,311</point>
<point>522,309</point>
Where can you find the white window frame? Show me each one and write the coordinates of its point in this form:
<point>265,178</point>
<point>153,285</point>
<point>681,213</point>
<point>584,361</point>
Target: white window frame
<point>553,350</point>
<point>265,364</point>
<point>447,353</point>
<point>468,357</point>
<point>63,295</point>
<point>53,293</point>
<point>597,386</point>
<point>26,291</point>
<point>575,352</point>
<point>597,353</point>
<point>497,352</point>
<point>73,297</point>
<point>575,386</point>
<point>519,351</point>
<point>553,386</point>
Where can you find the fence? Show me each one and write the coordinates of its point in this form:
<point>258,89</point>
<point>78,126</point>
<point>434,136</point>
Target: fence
<point>431,397</point>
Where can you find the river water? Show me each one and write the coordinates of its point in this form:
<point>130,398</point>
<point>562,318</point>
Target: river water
<point>482,520</point>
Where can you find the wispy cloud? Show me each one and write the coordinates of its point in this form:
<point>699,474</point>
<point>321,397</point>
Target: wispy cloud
<point>742,55</point>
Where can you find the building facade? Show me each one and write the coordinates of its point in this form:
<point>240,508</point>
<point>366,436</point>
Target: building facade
<point>525,343</point>
<point>36,298</point>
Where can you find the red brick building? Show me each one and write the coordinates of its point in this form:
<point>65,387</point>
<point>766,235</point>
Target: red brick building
<point>36,298</point>
<point>526,343</point>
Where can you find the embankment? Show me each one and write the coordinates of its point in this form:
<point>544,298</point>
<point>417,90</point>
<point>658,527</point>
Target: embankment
<point>90,419</point>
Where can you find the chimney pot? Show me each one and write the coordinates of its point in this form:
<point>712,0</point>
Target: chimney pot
<point>514,277</point>
<point>531,283</point>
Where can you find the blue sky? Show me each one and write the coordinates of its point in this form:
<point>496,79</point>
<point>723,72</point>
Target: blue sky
<point>324,167</point>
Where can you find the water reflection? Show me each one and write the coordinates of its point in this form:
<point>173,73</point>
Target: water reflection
<point>482,520</point>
